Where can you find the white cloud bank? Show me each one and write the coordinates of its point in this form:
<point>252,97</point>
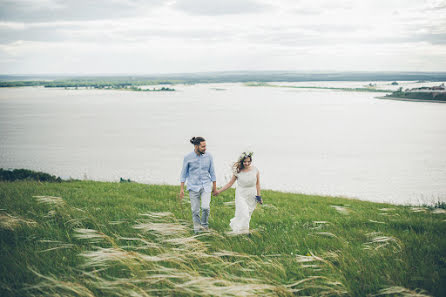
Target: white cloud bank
<point>134,36</point>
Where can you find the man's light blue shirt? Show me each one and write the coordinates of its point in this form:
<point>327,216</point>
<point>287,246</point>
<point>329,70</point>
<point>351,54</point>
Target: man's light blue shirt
<point>199,172</point>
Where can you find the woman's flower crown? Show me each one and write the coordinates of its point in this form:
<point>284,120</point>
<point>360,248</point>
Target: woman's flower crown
<point>244,155</point>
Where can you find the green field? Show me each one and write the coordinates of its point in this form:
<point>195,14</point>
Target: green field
<point>85,238</point>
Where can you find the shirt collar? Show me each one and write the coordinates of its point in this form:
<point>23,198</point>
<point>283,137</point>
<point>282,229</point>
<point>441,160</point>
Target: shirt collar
<point>199,155</point>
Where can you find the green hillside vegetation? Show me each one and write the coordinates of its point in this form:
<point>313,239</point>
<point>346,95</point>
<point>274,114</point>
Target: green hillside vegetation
<point>86,238</point>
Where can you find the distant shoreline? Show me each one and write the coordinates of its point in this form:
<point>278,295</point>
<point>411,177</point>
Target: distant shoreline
<point>409,99</point>
<point>236,76</point>
<point>364,89</point>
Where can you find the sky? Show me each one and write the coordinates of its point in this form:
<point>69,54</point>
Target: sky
<point>185,36</point>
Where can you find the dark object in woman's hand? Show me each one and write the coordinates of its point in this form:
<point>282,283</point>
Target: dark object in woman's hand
<point>259,199</point>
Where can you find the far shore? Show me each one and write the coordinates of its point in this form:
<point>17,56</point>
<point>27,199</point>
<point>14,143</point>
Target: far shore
<point>364,89</point>
<point>409,99</point>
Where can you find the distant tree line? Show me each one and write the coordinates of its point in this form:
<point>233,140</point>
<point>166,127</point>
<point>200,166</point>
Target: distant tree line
<point>369,88</point>
<point>133,88</point>
<point>10,84</point>
<point>430,96</point>
<point>25,174</point>
<point>96,84</point>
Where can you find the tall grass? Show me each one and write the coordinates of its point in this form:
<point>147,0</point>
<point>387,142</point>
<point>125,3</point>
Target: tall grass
<point>89,238</point>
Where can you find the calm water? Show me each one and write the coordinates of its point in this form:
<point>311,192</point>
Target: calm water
<point>310,141</point>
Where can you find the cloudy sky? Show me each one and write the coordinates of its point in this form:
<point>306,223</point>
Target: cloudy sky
<point>156,36</point>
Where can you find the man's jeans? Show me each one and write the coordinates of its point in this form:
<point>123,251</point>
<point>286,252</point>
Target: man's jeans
<point>195,206</point>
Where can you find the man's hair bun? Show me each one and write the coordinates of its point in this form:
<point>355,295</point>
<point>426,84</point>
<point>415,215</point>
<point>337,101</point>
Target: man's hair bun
<point>197,140</point>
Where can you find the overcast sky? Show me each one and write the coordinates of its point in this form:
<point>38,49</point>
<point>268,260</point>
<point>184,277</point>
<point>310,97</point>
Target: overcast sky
<point>156,36</point>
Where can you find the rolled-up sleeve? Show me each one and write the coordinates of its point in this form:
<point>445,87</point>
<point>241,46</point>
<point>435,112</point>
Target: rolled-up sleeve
<point>212,170</point>
<point>184,171</point>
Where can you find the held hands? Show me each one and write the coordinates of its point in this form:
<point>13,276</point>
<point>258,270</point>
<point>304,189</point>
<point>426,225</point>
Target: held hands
<point>181,195</point>
<point>216,192</point>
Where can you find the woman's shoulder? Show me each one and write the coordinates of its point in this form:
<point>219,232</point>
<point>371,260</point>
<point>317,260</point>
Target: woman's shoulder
<point>255,169</point>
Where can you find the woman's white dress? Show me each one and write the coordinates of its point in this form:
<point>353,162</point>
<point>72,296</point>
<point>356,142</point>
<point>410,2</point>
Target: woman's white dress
<point>245,200</point>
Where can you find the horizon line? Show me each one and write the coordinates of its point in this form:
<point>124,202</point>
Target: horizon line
<point>226,71</point>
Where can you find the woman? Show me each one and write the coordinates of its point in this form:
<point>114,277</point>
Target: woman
<point>247,193</point>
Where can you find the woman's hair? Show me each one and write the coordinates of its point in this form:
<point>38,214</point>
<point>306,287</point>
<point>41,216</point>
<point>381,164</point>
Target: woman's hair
<point>239,166</point>
<point>197,140</point>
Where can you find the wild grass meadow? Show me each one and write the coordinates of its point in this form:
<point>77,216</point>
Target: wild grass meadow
<point>86,238</point>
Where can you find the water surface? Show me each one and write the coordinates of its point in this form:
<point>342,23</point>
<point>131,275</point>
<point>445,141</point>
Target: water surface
<point>305,140</point>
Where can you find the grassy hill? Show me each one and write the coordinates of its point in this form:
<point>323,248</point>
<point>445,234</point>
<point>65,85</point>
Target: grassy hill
<point>85,238</point>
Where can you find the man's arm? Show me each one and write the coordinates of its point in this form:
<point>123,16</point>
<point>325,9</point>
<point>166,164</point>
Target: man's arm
<point>182,191</point>
<point>213,177</point>
<point>183,176</point>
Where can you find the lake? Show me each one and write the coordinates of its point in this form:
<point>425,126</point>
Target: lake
<point>310,141</point>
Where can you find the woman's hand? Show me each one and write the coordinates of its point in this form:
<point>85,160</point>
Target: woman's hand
<point>259,199</point>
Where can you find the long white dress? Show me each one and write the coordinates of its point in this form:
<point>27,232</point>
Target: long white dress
<point>245,200</point>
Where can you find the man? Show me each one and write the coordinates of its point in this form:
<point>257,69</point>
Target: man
<point>198,170</point>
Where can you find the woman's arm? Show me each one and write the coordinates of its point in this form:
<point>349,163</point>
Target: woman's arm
<point>258,184</point>
<point>228,185</point>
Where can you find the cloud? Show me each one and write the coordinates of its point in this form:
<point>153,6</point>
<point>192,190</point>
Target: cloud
<point>436,5</point>
<point>197,35</point>
<point>431,38</point>
<point>112,32</point>
<point>10,33</point>
<point>72,57</point>
<point>215,8</point>
<point>54,10</point>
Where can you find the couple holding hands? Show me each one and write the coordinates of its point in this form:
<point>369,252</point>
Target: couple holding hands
<point>198,170</point>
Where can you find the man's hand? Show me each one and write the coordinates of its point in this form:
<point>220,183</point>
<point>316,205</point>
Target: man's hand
<point>215,192</point>
<point>181,194</point>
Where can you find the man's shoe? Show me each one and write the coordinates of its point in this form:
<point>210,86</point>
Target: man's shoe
<point>197,228</point>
